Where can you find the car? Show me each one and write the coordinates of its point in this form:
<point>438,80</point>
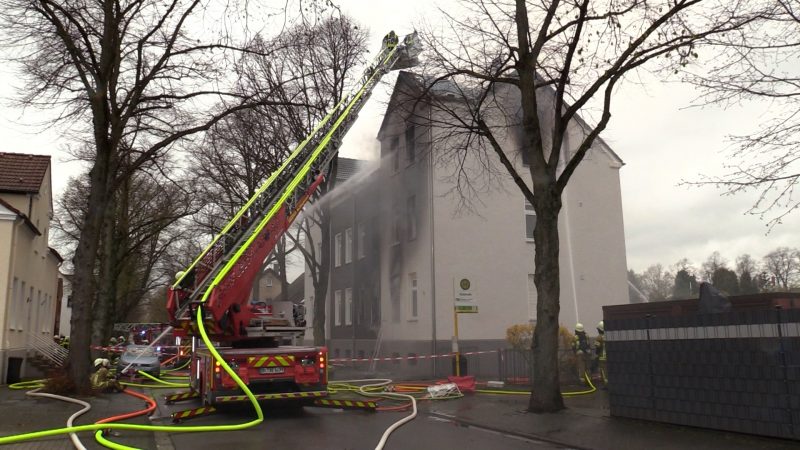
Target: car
<point>137,358</point>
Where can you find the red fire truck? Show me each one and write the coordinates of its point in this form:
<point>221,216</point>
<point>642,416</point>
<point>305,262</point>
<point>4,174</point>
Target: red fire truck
<point>252,338</point>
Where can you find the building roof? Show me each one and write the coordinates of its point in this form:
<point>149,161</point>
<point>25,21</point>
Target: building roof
<point>348,167</point>
<point>409,83</point>
<point>297,289</point>
<point>22,173</point>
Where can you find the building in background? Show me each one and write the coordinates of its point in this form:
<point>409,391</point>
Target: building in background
<point>402,241</point>
<point>29,278</point>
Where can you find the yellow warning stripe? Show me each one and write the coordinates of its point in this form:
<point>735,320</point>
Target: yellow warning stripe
<point>346,403</point>
<point>193,412</point>
<point>182,396</point>
<point>239,398</point>
<point>271,361</point>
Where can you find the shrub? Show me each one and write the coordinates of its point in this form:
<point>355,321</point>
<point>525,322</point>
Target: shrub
<point>520,337</point>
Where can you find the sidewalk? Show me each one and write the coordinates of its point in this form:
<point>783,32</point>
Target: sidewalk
<point>586,424</point>
<point>21,414</point>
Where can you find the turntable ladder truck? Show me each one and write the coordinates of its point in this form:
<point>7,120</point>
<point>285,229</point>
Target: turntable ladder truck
<point>251,337</point>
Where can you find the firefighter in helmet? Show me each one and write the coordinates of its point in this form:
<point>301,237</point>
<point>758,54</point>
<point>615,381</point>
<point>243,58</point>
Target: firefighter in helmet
<point>582,350</point>
<point>600,351</point>
<point>102,380</point>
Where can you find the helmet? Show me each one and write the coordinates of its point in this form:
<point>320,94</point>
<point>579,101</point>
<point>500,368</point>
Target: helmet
<point>113,340</point>
<point>601,327</point>
<point>98,361</point>
<point>579,327</point>
<point>179,275</point>
<point>106,362</point>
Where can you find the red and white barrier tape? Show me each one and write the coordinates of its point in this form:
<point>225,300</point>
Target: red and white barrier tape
<point>401,358</point>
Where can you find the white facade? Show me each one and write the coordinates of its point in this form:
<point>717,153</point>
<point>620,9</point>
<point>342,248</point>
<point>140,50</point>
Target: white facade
<point>28,267</point>
<point>428,240</point>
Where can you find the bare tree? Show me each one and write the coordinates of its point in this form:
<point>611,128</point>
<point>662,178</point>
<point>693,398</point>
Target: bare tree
<point>313,71</point>
<point>138,229</point>
<point>714,262</point>
<point>537,66</point>
<point>747,269</point>
<point>783,266</point>
<point>657,283</point>
<point>750,64</point>
<point>133,79</point>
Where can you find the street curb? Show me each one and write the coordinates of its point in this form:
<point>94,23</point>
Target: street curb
<point>532,437</point>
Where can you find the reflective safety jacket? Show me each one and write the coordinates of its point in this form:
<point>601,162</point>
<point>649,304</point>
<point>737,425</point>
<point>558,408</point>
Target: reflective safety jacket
<point>600,347</point>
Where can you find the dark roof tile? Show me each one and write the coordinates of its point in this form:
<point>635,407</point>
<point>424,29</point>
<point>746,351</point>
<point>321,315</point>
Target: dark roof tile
<point>21,172</point>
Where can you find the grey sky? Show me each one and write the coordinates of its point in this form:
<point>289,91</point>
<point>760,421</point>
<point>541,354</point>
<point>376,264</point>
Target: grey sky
<point>660,142</point>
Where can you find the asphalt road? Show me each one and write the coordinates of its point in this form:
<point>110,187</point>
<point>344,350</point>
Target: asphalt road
<point>323,428</point>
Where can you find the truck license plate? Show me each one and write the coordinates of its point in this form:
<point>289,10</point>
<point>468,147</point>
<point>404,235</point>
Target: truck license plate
<point>266,370</point>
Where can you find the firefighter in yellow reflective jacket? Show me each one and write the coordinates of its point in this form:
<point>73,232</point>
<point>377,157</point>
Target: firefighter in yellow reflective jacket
<point>102,380</point>
<point>582,350</point>
<point>390,40</point>
<point>600,351</point>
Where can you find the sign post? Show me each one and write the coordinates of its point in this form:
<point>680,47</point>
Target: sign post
<point>464,303</point>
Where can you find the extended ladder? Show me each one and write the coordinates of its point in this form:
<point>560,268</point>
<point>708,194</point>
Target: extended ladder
<point>225,269</point>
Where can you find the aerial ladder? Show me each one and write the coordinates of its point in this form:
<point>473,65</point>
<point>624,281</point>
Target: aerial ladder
<point>221,277</point>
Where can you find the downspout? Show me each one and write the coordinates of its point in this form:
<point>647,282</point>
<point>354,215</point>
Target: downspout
<point>433,234</point>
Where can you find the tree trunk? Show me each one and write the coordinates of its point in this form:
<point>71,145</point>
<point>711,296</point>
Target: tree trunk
<point>546,393</point>
<point>107,279</point>
<point>280,256</point>
<point>83,285</point>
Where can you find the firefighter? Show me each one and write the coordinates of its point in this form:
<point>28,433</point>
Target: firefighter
<point>113,351</point>
<point>600,352</point>
<point>581,348</point>
<point>390,40</point>
<point>102,380</point>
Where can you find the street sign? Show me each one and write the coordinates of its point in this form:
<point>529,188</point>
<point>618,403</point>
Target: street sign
<point>465,301</point>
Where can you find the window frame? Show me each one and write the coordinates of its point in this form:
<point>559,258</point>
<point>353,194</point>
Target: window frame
<point>348,245</point>
<point>529,212</point>
<point>361,239</point>
<point>414,301</point>
<point>337,305</point>
<point>337,250</point>
<point>348,306</point>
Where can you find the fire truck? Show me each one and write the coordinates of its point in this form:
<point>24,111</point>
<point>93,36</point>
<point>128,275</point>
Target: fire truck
<point>252,337</point>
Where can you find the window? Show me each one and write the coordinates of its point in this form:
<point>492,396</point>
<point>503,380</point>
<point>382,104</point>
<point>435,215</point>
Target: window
<point>337,308</point>
<point>348,306</point>
<point>362,239</point>
<point>411,211</point>
<point>348,245</point>
<point>530,220</point>
<point>12,310</point>
<point>531,298</point>
<point>411,138</point>
<point>396,221</point>
<point>395,150</point>
<point>269,281</point>
<point>337,249</point>
<point>414,305</point>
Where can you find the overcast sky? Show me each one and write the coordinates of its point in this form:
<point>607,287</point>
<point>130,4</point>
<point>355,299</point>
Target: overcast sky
<point>660,140</point>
